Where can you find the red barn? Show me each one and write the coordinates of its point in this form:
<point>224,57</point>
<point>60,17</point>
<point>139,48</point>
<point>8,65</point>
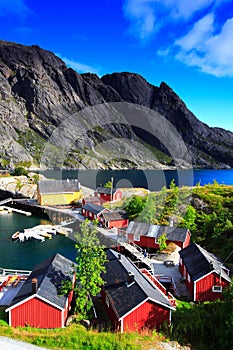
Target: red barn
<point>116,219</point>
<point>108,194</point>
<point>204,274</point>
<point>146,235</point>
<point>39,303</point>
<point>93,211</point>
<point>132,301</point>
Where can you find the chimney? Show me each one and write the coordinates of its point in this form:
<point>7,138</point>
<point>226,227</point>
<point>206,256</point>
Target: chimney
<point>171,223</point>
<point>119,256</point>
<point>34,285</point>
<point>130,278</point>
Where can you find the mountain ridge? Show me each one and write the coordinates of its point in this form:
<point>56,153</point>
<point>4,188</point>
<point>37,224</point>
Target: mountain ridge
<point>38,92</point>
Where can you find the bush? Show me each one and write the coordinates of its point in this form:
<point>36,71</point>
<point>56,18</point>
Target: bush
<point>18,171</point>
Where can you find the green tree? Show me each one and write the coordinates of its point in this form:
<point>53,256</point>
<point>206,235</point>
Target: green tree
<point>134,206</point>
<point>108,184</point>
<point>18,171</point>
<point>90,265</point>
<point>162,242</point>
<point>149,210</point>
<point>189,218</point>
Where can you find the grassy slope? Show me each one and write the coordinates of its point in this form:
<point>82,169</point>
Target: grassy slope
<point>77,337</point>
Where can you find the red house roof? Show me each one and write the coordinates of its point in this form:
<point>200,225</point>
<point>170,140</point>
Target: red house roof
<point>126,295</point>
<point>49,276</point>
<point>199,262</point>
<point>143,229</point>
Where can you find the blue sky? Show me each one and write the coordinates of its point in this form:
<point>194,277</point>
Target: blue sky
<point>186,43</point>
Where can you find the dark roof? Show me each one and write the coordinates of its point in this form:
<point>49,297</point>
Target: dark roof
<point>91,199</point>
<point>199,262</point>
<point>58,186</point>
<point>106,190</point>
<point>124,298</point>
<point>142,229</point>
<point>93,208</point>
<point>49,274</point>
<point>115,215</point>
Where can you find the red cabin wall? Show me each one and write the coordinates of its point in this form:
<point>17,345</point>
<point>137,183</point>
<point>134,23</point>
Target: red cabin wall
<point>110,311</point>
<point>146,242</point>
<point>36,313</point>
<point>118,223</point>
<point>149,315</point>
<point>204,287</point>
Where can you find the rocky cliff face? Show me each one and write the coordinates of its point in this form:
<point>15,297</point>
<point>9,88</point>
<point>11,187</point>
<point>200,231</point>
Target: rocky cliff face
<point>38,93</point>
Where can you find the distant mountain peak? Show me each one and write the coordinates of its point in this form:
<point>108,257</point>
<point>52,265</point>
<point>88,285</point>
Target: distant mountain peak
<point>38,91</point>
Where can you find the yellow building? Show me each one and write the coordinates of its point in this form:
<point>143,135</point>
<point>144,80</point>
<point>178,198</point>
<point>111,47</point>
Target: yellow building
<point>58,192</point>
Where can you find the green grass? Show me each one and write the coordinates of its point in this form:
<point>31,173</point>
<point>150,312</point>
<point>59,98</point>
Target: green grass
<point>77,337</point>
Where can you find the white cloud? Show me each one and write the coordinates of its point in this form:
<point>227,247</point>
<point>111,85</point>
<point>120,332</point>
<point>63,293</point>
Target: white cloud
<point>207,50</point>
<point>14,7</point>
<point>204,44</point>
<point>79,67</point>
<point>148,16</point>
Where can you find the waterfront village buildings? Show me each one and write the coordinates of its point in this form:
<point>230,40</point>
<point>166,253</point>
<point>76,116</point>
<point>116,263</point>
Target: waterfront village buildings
<point>133,298</point>
<point>58,192</point>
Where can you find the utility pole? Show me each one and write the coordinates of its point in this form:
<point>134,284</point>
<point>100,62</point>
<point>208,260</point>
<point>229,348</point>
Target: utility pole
<point>111,192</point>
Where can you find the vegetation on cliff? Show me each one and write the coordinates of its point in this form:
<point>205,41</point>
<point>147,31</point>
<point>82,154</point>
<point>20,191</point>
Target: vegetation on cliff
<point>207,211</point>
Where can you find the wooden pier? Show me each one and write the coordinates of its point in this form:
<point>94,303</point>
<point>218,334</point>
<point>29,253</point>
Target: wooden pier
<point>138,254</point>
<point>19,211</point>
<point>13,272</point>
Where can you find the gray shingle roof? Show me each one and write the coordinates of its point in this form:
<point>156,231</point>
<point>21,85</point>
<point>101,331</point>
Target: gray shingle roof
<point>91,199</point>
<point>115,215</point>
<point>143,229</point>
<point>49,274</point>
<point>58,186</point>
<point>199,262</point>
<point>93,208</point>
<point>125,298</point>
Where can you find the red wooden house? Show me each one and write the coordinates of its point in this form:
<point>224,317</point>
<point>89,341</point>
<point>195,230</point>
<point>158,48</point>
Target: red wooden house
<point>146,235</point>
<point>108,194</point>
<point>38,302</point>
<point>93,211</point>
<point>91,200</point>
<point>204,274</point>
<point>132,301</point>
<point>116,219</point>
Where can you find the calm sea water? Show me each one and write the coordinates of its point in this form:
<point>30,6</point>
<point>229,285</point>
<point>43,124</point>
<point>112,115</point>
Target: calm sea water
<point>27,254</point>
<point>151,179</point>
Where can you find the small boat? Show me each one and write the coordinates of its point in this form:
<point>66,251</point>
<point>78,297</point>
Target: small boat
<point>62,230</point>
<point>45,234</point>
<point>15,236</point>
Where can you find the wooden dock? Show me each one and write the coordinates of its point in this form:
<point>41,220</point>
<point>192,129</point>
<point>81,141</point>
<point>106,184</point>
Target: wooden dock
<point>19,211</point>
<point>138,254</point>
<point>13,272</point>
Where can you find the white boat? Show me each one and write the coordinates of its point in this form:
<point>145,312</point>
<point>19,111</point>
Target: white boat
<point>15,236</point>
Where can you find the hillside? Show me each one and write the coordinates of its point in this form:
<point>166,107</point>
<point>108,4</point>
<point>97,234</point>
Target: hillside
<point>38,92</point>
<point>206,211</point>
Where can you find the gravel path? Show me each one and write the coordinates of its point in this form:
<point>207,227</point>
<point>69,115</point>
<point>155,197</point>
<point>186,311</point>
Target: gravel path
<point>8,343</point>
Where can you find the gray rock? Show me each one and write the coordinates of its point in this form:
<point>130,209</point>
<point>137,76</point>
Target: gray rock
<point>38,94</point>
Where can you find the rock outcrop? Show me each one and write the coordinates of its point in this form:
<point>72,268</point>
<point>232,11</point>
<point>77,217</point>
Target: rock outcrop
<point>40,97</point>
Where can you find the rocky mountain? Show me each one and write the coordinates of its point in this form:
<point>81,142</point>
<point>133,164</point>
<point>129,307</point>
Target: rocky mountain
<point>52,116</point>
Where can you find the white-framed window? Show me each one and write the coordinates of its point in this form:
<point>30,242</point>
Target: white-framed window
<point>136,238</point>
<point>188,277</point>
<point>95,216</point>
<point>107,301</point>
<point>217,289</point>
